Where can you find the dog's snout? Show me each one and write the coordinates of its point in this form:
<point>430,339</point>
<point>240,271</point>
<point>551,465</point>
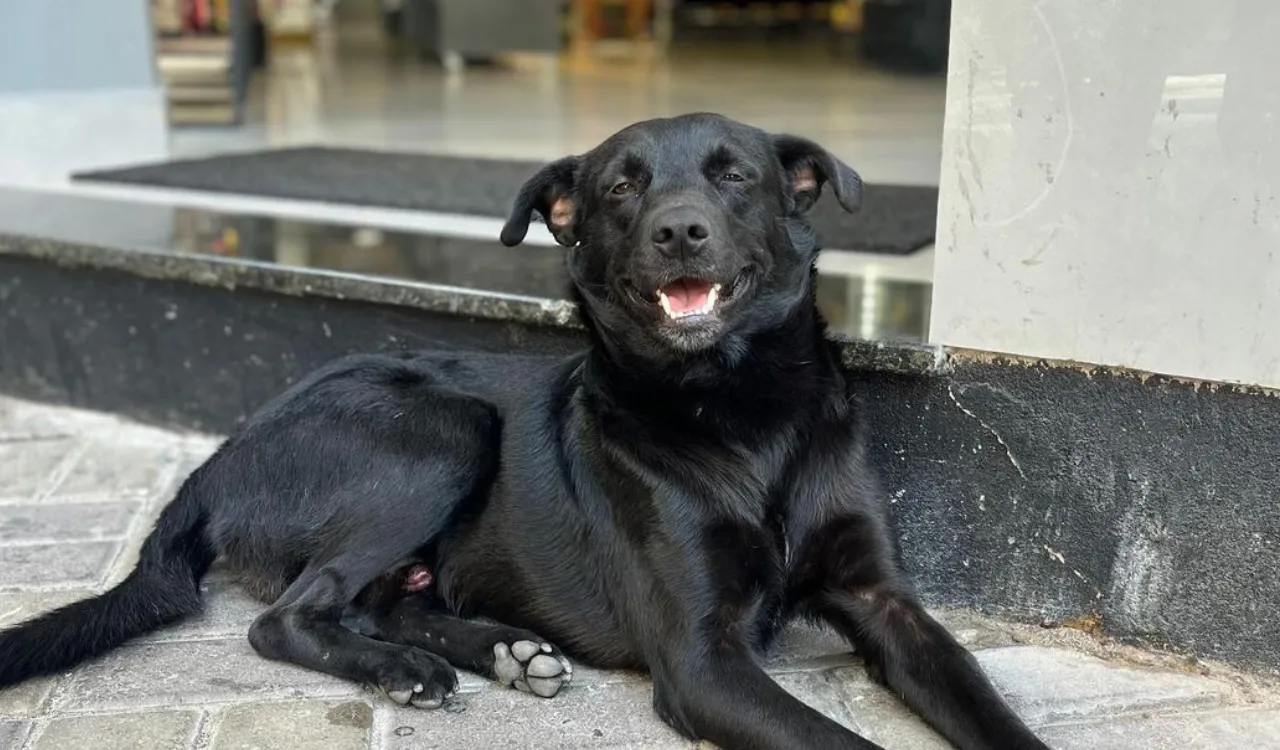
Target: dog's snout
<point>680,231</point>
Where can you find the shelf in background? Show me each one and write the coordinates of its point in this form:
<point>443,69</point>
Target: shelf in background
<point>205,69</point>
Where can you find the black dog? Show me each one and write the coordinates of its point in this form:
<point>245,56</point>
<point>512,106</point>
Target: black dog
<point>665,501</point>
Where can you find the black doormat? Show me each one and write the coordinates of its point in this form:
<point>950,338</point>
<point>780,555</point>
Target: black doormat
<point>895,219</point>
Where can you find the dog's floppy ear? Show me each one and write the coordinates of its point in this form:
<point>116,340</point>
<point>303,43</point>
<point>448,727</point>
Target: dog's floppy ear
<point>550,193</point>
<point>809,166</point>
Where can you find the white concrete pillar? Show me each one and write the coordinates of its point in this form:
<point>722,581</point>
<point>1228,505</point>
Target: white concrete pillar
<point>1110,185</point>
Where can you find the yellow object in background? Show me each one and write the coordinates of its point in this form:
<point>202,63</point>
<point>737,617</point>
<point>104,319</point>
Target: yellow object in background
<point>846,16</point>
<point>222,16</point>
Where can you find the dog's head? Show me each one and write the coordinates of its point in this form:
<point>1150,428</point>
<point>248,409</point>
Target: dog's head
<point>686,232</point>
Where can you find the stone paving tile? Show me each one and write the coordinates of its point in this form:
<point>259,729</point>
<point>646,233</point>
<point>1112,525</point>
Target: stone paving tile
<point>1048,686</point>
<point>28,468</point>
<point>12,733</point>
<point>882,718</point>
<point>848,695</point>
<point>588,716</point>
<point>26,700</point>
<point>802,647</point>
<point>1220,730</point>
<point>160,730</point>
<point>302,725</point>
<point>828,691</point>
<point>228,613</point>
<point>74,522</point>
<point>23,605</point>
<point>74,564</point>
<point>117,468</point>
<point>191,673</point>
<point>24,420</point>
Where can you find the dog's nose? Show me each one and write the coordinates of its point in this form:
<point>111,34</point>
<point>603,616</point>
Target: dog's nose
<point>680,231</point>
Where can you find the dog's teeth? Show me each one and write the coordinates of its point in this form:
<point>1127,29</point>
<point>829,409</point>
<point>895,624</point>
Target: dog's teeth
<point>711,298</point>
<point>665,302</point>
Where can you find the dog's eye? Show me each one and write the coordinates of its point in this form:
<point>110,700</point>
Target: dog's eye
<point>623,188</point>
<point>732,177</point>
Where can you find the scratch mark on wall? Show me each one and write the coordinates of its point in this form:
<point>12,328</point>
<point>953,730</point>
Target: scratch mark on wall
<point>1008,452</point>
<point>1061,559</point>
<point>970,153</point>
<point>1068,131</point>
<point>1034,259</point>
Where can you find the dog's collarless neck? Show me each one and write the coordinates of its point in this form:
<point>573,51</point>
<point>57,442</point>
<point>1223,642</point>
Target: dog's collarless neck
<point>763,379</point>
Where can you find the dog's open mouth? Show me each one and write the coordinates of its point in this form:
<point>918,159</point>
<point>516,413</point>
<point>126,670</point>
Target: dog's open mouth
<point>688,297</point>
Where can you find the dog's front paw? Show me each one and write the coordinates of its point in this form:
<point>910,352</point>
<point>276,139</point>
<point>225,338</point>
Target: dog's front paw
<point>418,678</point>
<point>531,666</point>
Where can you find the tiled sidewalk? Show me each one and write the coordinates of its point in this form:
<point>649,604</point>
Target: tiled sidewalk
<point>78,492</point>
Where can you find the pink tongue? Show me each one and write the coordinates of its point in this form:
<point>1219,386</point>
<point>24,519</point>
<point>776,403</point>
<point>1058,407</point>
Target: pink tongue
<point>687,294</point>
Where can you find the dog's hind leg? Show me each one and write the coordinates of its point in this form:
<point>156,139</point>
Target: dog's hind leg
<point>357,473</point>
<point>514,657</point>
<point>304,627</point>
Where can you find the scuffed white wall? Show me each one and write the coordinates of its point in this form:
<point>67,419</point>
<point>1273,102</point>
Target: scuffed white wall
<point>1111,185</point>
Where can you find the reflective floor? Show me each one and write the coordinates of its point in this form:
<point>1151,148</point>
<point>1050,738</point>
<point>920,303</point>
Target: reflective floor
<point>354,88</point>
<point>856,304</point>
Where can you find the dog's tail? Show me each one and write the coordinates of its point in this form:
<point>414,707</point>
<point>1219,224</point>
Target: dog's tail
<point>163,587</point>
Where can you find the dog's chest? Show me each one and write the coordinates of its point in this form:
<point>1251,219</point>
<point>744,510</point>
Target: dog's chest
<point>702,519</point>
<point>723,504</point>
<point>713,481</point>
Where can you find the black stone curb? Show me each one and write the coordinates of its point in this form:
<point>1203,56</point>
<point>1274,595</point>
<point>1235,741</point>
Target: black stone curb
<point>231,274</point>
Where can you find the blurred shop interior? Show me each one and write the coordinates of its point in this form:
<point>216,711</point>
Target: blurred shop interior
<point>530,78</point>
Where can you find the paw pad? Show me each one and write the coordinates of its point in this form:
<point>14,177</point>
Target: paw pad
<point>531,667</point>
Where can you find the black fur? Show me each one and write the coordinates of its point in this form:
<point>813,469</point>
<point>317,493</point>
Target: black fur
<point>665,501</point>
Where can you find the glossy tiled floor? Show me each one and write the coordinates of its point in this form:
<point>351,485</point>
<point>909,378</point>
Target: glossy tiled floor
<point>356,90</point>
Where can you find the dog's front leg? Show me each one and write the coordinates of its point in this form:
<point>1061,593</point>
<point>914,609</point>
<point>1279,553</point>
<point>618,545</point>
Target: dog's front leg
<point>845,572</point>
<point>865,597</point>
<point>717,692</point>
